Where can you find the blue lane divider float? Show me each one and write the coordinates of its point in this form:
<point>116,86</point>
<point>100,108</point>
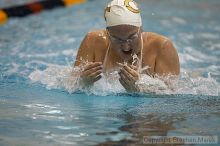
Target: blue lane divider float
<point>35,7</point>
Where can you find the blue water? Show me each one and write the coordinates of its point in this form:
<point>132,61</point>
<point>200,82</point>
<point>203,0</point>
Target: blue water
<point>38,106</point>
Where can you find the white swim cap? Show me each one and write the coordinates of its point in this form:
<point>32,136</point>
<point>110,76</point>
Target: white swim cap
<point>120,12</point>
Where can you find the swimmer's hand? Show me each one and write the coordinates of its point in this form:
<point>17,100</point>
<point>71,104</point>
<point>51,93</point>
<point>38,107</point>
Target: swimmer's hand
<point>129,75</point>
<point>91,73</point>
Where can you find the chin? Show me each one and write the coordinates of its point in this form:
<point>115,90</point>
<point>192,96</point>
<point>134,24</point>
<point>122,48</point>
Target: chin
<point>126,57</point>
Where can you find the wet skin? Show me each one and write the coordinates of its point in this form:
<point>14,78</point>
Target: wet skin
<point>125,41</point>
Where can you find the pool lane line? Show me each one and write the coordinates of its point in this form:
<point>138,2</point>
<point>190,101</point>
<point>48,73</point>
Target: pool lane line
<point>33,8</point>
<point>3,17</point>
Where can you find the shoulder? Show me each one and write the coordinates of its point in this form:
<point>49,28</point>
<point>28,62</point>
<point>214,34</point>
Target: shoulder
<point>93,45</point>
<point>155,39</point>
<point>97,39</point>
<point>97,36</point>
<point>161,43</point>
<point>167,60</point>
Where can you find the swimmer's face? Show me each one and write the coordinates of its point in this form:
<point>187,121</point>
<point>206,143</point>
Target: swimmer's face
<point>126,40</point>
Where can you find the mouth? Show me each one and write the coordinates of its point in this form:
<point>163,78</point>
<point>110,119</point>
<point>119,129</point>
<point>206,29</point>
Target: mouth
<point>129,52</point>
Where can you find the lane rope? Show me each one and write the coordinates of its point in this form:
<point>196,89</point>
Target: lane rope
<point>33,8</point>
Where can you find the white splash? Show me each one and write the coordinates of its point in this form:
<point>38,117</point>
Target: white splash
<point>64,77</point>
<point>150,84</point>
<point>56,76</point>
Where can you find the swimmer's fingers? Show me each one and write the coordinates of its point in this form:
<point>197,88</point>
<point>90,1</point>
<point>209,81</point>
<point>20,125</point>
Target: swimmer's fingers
<point>92,65</point>
<point>130,87</point>
<point>132,77</point>
<point>125,75</point>
<point>92,75</point>
<point>124,84</point>
<point>120,64</point>
<point>96,78</point>
<point>91,71</point>
<point>96,73</point>
<point>133,67</point>
<point>90,80</point>
<point>132,72</point>
<point>128,82</point>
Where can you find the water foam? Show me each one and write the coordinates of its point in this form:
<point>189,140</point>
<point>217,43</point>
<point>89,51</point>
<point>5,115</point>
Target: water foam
<point>65,77</point>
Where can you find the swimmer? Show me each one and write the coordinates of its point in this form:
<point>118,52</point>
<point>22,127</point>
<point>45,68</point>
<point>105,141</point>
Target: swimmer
<point>124,46</point>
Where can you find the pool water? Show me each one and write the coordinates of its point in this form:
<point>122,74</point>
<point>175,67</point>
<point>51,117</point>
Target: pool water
<point>40,106</point>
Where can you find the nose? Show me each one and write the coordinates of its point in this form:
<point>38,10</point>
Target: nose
<point>125,46</point>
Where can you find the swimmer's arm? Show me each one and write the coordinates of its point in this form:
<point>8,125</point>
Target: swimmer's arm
<point>90,70</point>
<point>167,61</point>
<point>85,52</point>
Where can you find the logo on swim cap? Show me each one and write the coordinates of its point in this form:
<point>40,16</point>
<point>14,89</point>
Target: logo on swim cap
<point>131,6</point>
<point>122,12</point>
<point>107,9</point>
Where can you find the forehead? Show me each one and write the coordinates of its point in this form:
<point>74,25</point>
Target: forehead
<point>122,30</point>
